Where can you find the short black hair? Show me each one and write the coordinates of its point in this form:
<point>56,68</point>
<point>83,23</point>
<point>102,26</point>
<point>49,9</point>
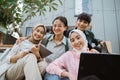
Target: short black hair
<point>84,16</point>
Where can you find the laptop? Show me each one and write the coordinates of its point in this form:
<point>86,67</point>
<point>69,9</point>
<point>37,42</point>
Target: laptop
<point>99,66</point>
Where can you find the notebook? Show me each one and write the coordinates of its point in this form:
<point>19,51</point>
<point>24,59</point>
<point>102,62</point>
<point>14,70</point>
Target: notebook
<point>44,52</point>
<point>99,66</point>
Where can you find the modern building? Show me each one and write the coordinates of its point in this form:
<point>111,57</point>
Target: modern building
<point>105,18</point>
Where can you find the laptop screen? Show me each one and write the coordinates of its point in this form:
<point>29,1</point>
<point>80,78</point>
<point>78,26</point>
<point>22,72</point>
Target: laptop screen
<point>99,67</point>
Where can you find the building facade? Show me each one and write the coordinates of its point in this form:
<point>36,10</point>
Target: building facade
<point>105,18</point>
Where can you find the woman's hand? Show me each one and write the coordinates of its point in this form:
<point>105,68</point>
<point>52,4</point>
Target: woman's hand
<point>23,54</point>
<point>20,40</point>
<point>18,56</point>
<point>71,77</point>
<point>67,74</point>
<point>35,51</point>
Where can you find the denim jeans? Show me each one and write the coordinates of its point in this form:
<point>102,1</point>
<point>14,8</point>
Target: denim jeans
<point>54,77</point>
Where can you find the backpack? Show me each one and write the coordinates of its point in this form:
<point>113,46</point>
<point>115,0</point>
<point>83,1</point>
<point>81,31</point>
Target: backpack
<point>66,46</point>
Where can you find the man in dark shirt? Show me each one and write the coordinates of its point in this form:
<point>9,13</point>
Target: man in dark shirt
<point>83,21</point>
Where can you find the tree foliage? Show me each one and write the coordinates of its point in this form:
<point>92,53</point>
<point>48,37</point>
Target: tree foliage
<point>10,12</point>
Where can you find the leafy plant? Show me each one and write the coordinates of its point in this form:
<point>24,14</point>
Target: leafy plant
<point>11,12</point>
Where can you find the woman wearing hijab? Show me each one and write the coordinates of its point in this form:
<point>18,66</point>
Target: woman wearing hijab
<point>19,63</point>
<point>66,66</point>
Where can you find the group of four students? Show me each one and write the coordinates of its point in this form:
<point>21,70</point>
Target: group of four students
<point>25,62</point>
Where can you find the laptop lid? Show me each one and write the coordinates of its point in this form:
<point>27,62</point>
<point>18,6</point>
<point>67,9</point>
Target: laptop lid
<point>99,67</point>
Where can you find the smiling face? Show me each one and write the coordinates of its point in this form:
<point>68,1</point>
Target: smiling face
<point>58,27</point>
<point>38,33</point>
<point>77,41</point>
<point>82,24</point>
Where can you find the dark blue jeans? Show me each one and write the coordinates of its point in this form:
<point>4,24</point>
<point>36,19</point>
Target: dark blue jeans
<point>54,77</point>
